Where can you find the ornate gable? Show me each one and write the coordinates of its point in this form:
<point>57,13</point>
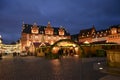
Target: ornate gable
<point>35,29</point>
<point>61,31</point>
<point>49,30</point>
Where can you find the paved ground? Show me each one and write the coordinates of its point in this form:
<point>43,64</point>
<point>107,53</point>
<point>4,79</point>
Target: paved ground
<point>35,68</point>
<point>110,77</point>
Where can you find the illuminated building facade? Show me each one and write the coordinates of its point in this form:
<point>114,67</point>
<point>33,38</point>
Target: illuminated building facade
<point>33,36</point>
<point>86,35</point>
<point>114,35</point>
<point>9,48</point>
<point>111,35</point>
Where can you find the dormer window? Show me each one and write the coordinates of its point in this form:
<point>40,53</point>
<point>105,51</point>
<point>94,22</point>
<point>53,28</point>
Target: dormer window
<point>61,31</point>
<point>36,37</point>
<point>119,30</point>
<point>113,31</point>
<point>49,29</point>
<point>35,29</point>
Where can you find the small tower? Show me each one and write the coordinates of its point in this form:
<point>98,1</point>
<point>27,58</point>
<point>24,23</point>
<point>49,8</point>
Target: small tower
<point>93,29</point>
<point>23,26</point>
<point>49,24</point>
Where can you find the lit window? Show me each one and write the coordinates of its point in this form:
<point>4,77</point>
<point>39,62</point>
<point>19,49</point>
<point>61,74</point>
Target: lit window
<point>104,34</point>
<point>119,30</point>
<point>48,37</point>
<point>36,37</point>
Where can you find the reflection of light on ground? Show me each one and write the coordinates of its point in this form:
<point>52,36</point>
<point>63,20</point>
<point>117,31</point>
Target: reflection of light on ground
<point>55,62</point>
<point>98,63</point>
<point>63,56</point>
<point>100,68</point>
<point>56,67</point>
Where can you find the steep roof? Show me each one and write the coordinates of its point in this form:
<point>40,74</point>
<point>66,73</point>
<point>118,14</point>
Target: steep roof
<point>115,26</point>
<point>86,31</point>
<point>27,29</point>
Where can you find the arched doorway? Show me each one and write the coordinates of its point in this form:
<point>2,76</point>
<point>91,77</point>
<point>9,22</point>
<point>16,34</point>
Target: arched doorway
<point>66,47</point>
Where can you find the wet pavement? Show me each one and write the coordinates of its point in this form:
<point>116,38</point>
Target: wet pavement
<point>36,68</point>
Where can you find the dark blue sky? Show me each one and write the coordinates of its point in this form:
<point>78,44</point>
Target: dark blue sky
<point>74,15</point>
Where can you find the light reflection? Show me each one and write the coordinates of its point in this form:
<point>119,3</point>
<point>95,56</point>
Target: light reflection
<point>55,62</point>
<point>100,68</point>
<point>56,67</point>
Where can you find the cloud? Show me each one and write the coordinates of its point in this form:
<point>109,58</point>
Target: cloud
<point>72,14</point>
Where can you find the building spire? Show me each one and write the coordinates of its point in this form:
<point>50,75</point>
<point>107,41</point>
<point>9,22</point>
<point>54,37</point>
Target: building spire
<point>48,24</point>
<point>61,27</point>
<point>23,26</point>
<point>35,23</point>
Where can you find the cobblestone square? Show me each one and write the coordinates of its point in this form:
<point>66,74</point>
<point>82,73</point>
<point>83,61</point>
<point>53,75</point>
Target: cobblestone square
<point>36,68</point>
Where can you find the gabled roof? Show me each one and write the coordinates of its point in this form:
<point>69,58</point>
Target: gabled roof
<point>36,44</point>
<point>27,29</point>
<point>104,31</point>
<point>86,31</point>
<point>115,26</point>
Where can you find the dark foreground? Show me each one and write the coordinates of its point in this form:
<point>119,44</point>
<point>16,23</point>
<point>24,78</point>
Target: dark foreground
<point>35,68</point>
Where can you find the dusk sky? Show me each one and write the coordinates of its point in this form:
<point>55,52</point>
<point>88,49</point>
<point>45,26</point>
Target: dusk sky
<point>74,15</point>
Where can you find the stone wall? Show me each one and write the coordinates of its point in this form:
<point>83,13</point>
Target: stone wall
<point>113,57</point>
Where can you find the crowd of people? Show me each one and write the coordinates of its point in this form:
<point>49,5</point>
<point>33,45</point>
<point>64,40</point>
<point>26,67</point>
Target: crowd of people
<point>66,52</point>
